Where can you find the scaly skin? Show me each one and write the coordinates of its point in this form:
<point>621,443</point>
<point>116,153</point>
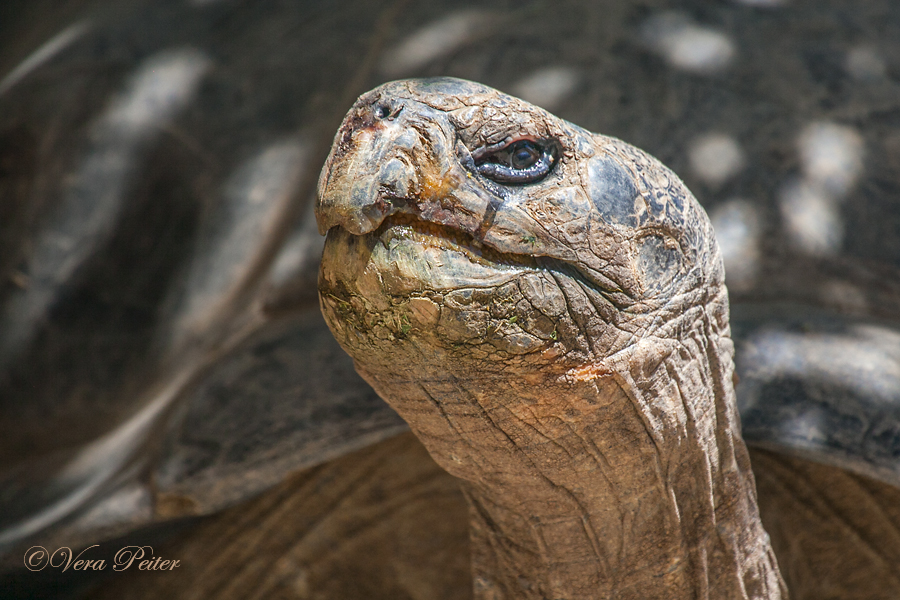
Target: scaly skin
<point>562,347</point>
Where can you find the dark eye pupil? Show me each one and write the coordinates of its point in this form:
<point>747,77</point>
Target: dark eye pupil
<point>524,154</point>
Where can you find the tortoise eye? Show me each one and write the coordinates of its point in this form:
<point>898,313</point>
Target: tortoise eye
<point>524,154</point>
<point>521,162</point>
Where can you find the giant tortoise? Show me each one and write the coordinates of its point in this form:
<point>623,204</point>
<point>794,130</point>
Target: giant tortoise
<point>162,353</point>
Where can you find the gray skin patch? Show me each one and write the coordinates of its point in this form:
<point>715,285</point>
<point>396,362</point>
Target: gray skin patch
<point>446,86</point>
<point>612,191</point>
<point>659,262</point>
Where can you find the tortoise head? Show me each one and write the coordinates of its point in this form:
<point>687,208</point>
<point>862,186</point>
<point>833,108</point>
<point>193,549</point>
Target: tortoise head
<point>474,219</point>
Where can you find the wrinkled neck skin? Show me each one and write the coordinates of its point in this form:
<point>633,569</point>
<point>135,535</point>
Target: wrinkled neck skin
<point>623,477</point>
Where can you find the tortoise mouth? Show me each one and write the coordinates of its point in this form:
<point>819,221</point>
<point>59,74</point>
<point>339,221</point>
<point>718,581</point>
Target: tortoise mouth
<point>434,256</point>
<point>408,256</point>
<point>409,227</point>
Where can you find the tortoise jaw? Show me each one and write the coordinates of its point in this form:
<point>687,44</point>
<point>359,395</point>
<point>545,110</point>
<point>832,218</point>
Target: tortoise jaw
<point>406,257</point>
<point>450,239</point>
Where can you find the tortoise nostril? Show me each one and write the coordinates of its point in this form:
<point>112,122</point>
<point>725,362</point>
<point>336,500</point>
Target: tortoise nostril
<point>386,110</point>
<point>382,110</point>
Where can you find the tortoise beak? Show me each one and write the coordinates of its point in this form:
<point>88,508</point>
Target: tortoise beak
<point>395,154</point>
<point>367,169</point>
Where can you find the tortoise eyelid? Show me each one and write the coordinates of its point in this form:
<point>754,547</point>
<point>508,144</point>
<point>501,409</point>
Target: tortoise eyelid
<point>506,174</point>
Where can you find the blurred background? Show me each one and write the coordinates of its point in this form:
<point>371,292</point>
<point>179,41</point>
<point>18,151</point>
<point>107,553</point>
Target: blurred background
<point>162,356</point>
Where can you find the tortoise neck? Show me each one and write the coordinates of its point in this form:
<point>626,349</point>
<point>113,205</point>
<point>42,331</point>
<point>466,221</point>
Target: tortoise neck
<point>652,496</point>
<point>664,508</point>
<point>626,478</point>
